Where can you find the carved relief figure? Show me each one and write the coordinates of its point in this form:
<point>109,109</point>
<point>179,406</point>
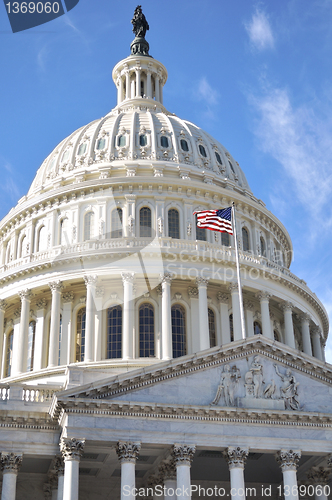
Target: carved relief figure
<point>288,389</point>
<point>257,377</point>
<point>228,379</point>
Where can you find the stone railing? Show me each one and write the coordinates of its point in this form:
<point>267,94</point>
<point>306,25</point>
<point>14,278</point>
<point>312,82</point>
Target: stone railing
<point>29,394</point>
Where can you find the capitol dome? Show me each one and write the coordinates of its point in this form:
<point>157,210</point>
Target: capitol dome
<point>116,309</point>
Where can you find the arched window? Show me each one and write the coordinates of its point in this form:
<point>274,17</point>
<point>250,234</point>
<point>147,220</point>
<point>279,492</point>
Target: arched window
<point>225,239</point>
<point>42,239</point>
<point>164,141</point>
<point>60,339</point>
<point>82,149</point>
<point>143,140</point>
<point>245,240</point>
<point>184,145</point>
<point>101,143</point>
<point>23,247</point>
<point>257,328</point>
<point>9,353</point>
<point>31,345</point>
<point>178,331</point>
<point>65,155</point>
<point>218,157</point>
<point>121,141</point>
<point>232,168</point>
<point>231,327</point>
<point>202,150</point>
<point>262,246</point>
<point>146,331</point>
<point>64,232</point>
<point>276,335</point>
<point>200,232</point>
<point>173,224</point>
<point>116,223</point>
<point>114,332</point>
<point>80,334</point>
<point>145,222</point>
<point>212,328</point>
<point>89,220</point>
<point>8,253</point>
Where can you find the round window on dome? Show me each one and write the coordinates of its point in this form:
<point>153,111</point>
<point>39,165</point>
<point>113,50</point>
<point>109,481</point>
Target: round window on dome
<point>218,157</point>
<point>143,140</point>
<point>101,143</point>
<point>82,149</point>
<point>202,150</point>
<point>164,142</point>
<point>184,145</point>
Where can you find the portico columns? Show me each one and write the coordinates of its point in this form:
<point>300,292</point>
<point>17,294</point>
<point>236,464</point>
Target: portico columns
<point>204,335</point>
<point>166,334</point>
<point>59,470</point>
<point>3,306</point>
<point>236,459</point>
<point>234,289</point>
<point>138,82</point>
<point>53,352</point>
<point>90,282</point>
<point>72,450</point>
<point>23,331</point>
<point>224,318</point>
<point>127,453</point>
<point>148,85</point>
<point>288,461</point>
<point>249,313</point>
<point>183,456</point>
<point>319,477</point>
<point>265,312</point>
<point>306,340</point>
<point>168,474</point>
<point>128,315</point>
<point>287,308</point>
<point>317,347</point>
<point>10,465</point>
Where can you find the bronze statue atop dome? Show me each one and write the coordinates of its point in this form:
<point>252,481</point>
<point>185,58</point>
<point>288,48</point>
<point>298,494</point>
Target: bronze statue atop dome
<point>140,26</point>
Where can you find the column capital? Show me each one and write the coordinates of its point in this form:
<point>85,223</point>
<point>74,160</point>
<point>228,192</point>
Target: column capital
<point>3,305</point>
<point>233,287</point>
<point>58,465</point>
<point>25,294</point>
<point>67,297</point>
<point>263,295</point>
<point>41,304</point>
<point>127,277</point>
<point>168,469</point>
<point>193,292</point>
<point>56,286</point>
<point>72,448</point>
<point>317,331</point>
<point>319,475</point>
<point>247,304</point>
<point>154,480</point>
<point>90,279</point>
<point>286,306</point>
<point>329,460</point>
<point>236,457</point>
<point>202,281</point>
<point>159,290</point>
<point>166,278</point>
<point>223,297</point>
<point>288,459</point>
<point>127,451</point>
<point>304,317</point>
<point>183,454</point>
<point>11,462</point>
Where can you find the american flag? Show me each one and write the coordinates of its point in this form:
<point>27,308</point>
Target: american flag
<point>216,220</point>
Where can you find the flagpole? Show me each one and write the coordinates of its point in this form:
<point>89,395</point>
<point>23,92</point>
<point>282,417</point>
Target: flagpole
<point>238,274</point>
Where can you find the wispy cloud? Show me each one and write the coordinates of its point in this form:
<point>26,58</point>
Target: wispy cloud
<point>205,93</point>
<point>259,31</point>
<point>41,58</point>
<point>9,185</point>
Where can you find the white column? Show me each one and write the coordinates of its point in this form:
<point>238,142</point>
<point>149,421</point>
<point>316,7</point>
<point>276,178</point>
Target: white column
<point>265,312</point>
<point>138,83</point>
<point>249,314</point>
<point>98,323</point>
<point>319,478</point>
<point>166,335</point>
<point>287,308</point>
<point>3,306</point>
<point>183,456</point>
<point>194,316</point>
<point>127,453</point>
<point>317,347</point>
<point>148,85</point>
<point>204,335</point>
<point>40,338</point>
<point>90,282</point>
<point>23,331</point>
<point>156,85</point>
<point>120,90</point>
<point>10,464</point>
<point>305,329</point>
<point>167,471</point>
<point>234,289</point>
<point>224,318</point>
<point>66,340</point>
<point>53,351</point>
<point>132,88</point>
<point>72,450</point>
<point>127,84</point>
<point>128,316</point>
<point>16,340</point>
<point>236,459</point>
<point>288,461</point>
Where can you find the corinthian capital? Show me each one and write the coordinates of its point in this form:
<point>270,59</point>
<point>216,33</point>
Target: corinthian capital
<point>72,448</point>
<point>223,297</point>
<point>56,286</point>
<point>304,317</point>
<point>193,292</point>
<point>233,287</point>
<point>286,306</point>
<point>127,451</point>
<point>236,457</point>
<point>182,453</point>
<point>319,475</point>
<point>67,297</point>
<point>262,295</point>
<point>90,280</point>
<point>127,277</point>
<point>41,304</point>
<point>288,459</point>
<point>3,305</point>
<point>166,278</point>
<point>25,294</point>
<point>167,469</point>
<point>202,281</point>
<point>11,462</point>
<point>59,465</point>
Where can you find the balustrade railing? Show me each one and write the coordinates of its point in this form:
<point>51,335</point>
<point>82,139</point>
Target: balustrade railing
<point>29,394</point>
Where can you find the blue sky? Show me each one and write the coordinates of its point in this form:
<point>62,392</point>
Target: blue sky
<point>256,75</point>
